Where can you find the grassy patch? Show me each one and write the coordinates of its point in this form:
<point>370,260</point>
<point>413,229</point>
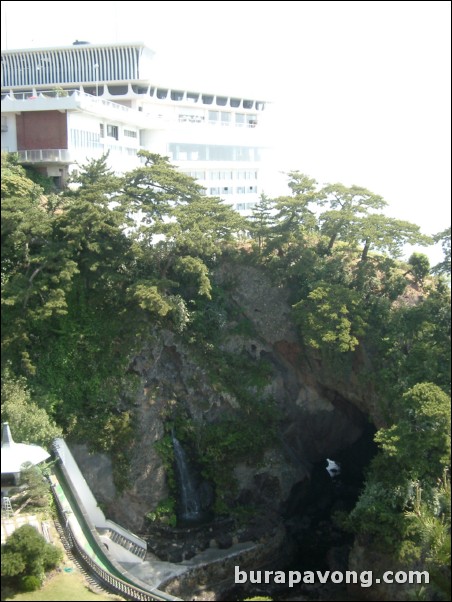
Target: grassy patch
<point>62,586</point>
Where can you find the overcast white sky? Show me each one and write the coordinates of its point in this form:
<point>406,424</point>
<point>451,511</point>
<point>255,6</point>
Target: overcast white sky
<point>360,90</point>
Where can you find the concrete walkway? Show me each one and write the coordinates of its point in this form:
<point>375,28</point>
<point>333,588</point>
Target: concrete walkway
<point>9,525</point>
<point>156,572</point>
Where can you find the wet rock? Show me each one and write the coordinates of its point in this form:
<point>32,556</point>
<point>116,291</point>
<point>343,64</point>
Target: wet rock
<point>224,541</point>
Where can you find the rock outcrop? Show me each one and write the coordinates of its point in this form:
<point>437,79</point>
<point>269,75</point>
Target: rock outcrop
<point>319,414</point>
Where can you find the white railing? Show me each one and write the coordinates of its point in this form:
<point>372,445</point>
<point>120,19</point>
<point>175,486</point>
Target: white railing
<point>45,155</point>
<point>94,103</point>
<point>85,100</point>
<point>107,579</point>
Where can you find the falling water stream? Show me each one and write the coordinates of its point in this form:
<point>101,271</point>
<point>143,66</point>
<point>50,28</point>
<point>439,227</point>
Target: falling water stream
<point>189,502</point>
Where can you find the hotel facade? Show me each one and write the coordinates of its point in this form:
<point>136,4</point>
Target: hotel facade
<point>63,106</point>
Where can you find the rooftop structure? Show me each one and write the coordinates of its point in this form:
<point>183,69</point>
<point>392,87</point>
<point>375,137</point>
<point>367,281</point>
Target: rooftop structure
<point>16,455</point>
<point>62,106</point>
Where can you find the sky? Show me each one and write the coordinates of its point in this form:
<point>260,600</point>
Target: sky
<point>359,91</point>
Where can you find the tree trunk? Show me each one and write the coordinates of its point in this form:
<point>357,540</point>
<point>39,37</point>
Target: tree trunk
<point>331,243</point>
<point>365,251</point>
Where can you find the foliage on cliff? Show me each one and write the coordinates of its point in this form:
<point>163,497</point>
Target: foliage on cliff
<point>92,272</point>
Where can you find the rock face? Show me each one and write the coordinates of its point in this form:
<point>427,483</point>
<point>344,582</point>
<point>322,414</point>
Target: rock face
<point>320,415</point>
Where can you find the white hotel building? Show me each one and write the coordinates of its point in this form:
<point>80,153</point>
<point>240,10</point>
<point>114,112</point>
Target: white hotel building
<point>62,106</point>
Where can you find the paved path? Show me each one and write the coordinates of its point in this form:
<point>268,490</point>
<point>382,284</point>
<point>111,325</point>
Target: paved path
<point>9,525</point>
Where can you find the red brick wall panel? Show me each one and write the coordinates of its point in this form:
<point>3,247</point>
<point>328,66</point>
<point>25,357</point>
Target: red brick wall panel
<point>41,129</point>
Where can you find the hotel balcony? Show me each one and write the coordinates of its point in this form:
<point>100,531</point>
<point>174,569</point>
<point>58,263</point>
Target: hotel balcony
<point>46,156</point>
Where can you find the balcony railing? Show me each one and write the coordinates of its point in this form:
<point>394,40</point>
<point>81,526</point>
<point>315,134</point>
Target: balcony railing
<point>74,99</point>
<point>44,155</point>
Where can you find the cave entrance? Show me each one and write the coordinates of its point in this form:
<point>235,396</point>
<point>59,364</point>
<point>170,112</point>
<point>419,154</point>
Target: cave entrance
<point>335,485</point>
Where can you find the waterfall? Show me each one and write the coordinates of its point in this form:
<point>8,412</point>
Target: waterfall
<point>190,505</point>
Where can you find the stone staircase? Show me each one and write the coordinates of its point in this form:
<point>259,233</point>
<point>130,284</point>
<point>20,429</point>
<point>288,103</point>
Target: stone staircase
<point>128,544</point>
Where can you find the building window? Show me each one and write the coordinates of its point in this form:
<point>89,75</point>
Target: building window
<point>84,138</point>
<point>244,206</point>
<point>207,99</point>
<point>162,93</point>
<point>112,131</point>
<point>198,175</point>
<point>247,175</point>
<point>101,130</point>
<point>114,90</point>
<point>177,95</point>
<point>130,133</point>
<point>214,116</point>
<point>139,89</point>
<point>208,152</point>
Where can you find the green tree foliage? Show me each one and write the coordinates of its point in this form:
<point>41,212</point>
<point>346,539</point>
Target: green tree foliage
<point>12,563</point>
<point>36,270</point>
<point>419,441</point>
<point>45,182</point>
<point>414,453</point>
<point>30,583</point>
<point>26,553</point>
<point>411,344</point>
<point>36,489</point>
<point>165,513</point>
<point>346,204</point>
<point>386,234</point>
<point>262,221</point>
<point>331,316</point>
<point>91,228</point>
<point>419,266</point>
<point>204,227</point>
<point>444,238</point>
<point>429,525</point>
<point>295,219</point>
<point>179,233</point>
<point>153,189</point>
<point>29,423</point>
<point>90,274</point>
<point>352,219</point>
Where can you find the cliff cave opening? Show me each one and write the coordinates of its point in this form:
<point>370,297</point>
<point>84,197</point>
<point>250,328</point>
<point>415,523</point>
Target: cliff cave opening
<point>314,539</point>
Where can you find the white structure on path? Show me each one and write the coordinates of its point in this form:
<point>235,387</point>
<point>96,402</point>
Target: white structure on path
<point>64,105</point>
<point>16,455</point>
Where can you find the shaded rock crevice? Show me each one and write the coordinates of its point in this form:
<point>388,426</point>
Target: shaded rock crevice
<point>319,414</point>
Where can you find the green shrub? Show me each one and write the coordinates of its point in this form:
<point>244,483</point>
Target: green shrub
<point>30,583</point>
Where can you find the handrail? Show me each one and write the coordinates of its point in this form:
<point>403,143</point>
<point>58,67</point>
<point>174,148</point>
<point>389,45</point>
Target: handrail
<point>113,583</point>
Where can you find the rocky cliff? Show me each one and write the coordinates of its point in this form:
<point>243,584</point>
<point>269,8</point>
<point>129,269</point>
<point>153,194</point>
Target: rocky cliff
<point>318,413</point>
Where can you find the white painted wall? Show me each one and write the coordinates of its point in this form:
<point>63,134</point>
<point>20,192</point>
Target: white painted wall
<point>80,485</point>
<point>9,138</point>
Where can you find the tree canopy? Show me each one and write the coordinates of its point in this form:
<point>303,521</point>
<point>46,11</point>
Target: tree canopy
<point>26,557</point>
<point>92,273</point>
